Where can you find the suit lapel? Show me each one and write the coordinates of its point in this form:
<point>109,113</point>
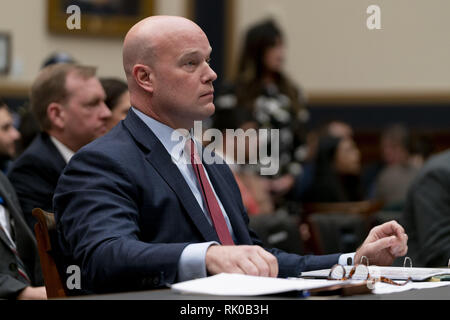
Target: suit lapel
<point>160,159</point>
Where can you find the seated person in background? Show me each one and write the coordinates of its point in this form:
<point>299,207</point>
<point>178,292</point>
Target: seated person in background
<point>20,269</point>
<point>68,102</point>
<point>29,126</point>
<point>58,57</point>
<point>336,171</point>
<point>133,214</point>
<point>427,213</point>
<point>392,182</point>
<point>421,149</point>
<point>8,137</point>
<point>117,99</point>
<point>334,128</point>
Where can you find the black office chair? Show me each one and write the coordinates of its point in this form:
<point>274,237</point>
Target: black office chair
<point>278,231</point>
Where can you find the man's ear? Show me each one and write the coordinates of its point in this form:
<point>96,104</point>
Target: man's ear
<point>143,76</point>
<point>56,115</point>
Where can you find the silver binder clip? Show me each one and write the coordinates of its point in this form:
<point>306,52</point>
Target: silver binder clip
<point>410,262</point>
<point>361,260</point>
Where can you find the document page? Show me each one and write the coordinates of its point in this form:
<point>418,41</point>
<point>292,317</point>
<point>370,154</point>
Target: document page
<point>226,284</point>
<point>383,288</point>
<point>394,273</point>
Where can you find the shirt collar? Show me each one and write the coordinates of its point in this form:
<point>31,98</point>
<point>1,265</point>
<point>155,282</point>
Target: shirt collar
<point>165,133</point>
<point>65,152</point>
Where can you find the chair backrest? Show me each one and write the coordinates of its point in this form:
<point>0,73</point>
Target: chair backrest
<point>278,231</point>
<point>46,224</point>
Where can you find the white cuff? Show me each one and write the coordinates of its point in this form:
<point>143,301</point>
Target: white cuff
<point>347,259</point>
<point>192,261</point>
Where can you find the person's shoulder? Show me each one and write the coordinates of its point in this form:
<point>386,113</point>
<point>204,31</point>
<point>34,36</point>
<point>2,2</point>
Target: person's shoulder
<point>37,154</point>
<point>440,161</point>
<point>435,168</point>
<point>116,144</point>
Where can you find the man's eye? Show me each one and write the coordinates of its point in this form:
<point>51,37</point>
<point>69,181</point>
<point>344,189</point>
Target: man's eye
<point>208,61</point>
<point>191,63</point>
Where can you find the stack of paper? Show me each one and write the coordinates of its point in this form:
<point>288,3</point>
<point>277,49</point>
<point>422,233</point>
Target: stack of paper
<point>384,288</point>
<point>394,273</point>
<point>226,284</point>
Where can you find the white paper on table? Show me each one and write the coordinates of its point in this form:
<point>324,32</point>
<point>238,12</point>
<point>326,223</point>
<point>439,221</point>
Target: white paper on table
<point>383,288</point>
<point>228,284</point>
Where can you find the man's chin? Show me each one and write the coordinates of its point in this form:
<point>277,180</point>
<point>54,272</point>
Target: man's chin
<point>210,109</point>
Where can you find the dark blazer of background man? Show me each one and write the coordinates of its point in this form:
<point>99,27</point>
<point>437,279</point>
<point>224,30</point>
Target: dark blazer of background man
<point>12,283</point>
<point>127,211</point>
<point>68,102</point>
<point>20,268</point>
<point>427,213</point>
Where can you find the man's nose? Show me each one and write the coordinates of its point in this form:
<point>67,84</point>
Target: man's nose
<point>105,112</point>
<point>210,75</point>
<point>15,134</point>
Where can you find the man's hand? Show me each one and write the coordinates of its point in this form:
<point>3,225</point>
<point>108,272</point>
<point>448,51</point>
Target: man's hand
<point>383,244</point>
<point>250,260</point>
<point>33,293</point>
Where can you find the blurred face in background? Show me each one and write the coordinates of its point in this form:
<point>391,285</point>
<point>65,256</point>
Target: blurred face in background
<point>85,113</point>
<point>8,134</point>
<point>393,152</point>
<point>348,158</point>
<point>120,110</point>
<point>274,57</point>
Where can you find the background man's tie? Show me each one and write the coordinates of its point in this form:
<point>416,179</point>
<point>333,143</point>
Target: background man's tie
<point>210,199</point>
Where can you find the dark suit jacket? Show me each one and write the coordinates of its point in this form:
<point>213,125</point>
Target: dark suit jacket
<point>35,174</point>
<point>427,214</point>
<point>11,283</point>
<point>125,213</point>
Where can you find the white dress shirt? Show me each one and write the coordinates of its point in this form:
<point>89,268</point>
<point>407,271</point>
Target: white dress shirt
<point>4,222</point>
<point>65,152</point>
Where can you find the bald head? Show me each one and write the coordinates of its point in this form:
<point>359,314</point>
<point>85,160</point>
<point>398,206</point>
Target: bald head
<point>167,63</point>
<point>148,38</point>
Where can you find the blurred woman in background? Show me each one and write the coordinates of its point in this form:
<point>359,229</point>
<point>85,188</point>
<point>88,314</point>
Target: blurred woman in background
<point>337,170</point>
<point>117,99</point>
<point>275,102</point>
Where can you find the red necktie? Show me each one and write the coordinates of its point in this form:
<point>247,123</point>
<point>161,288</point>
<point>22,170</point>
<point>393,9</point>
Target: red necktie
<point>210,199</point>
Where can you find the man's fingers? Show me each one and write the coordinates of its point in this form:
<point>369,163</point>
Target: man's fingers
<point>251,260</point>
<point>381,244</point>
<point>249,267</point>
<point>399,247</point>
<point>271,261</point>
<point>388,229</point>
<point>398,229</point>
<point>261,264</point>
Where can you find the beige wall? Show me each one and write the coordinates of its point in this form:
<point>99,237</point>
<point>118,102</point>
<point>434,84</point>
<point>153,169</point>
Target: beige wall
<point>329,46</point>
<point>26,21</point>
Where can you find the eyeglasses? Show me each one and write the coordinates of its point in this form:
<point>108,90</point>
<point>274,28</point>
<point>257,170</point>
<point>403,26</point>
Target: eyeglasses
<point>360,272</point>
